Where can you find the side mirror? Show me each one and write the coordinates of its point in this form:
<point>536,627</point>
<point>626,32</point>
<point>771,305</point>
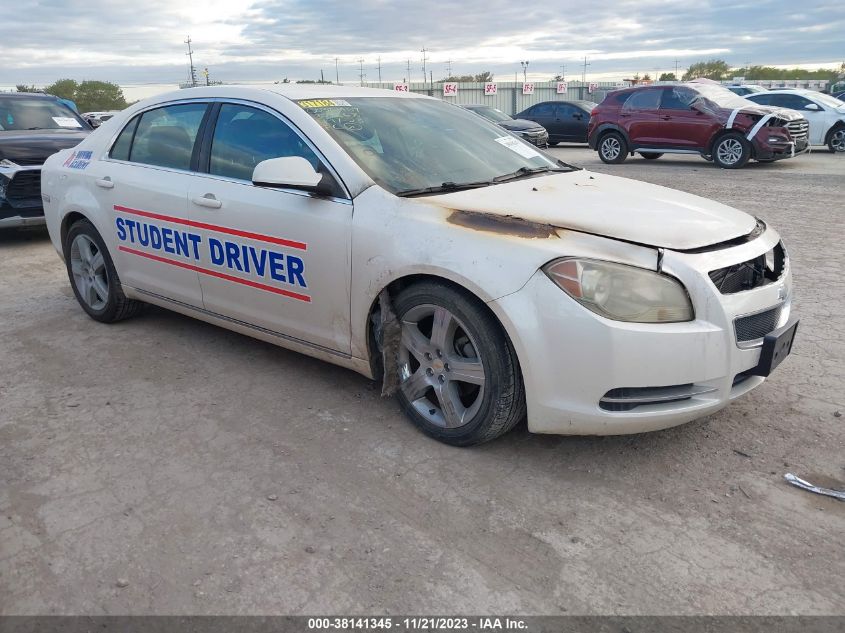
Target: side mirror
<point>289,171</point>
<point>812,106</point>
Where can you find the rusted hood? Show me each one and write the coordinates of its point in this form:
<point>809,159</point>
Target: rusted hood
<point>613,207</point>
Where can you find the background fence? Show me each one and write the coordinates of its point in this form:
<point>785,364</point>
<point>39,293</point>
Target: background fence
<point>509,97</point>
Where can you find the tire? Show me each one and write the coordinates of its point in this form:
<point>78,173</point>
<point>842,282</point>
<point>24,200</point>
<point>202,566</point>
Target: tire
<point>651,155</point>
<point>836,140</point>
<point>731,151</point>
<point>612,148</point>
<point>93,277</point>
<point>447,333</point>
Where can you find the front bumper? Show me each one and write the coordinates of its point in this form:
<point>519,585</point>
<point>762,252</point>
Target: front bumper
<point>573,359</point>
<point>540,139</point>
<point>767,151</point>
<point>20,196</point>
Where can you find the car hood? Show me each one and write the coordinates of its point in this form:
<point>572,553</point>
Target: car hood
<point>761,110</point>
<point>609,206</point>
<point>32,147</point>
<point>520,124</point>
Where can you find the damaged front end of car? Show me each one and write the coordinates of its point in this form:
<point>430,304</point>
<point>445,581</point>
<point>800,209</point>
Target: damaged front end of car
<point>20,194</point>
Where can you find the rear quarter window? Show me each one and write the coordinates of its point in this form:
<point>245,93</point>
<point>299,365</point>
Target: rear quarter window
<point>121,147</point>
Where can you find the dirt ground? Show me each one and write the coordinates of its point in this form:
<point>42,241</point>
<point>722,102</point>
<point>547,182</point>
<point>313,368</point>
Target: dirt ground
<point>162,465</point>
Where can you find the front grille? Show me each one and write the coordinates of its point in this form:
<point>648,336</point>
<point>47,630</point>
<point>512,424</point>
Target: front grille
<point>629,398</point>
<point>799,130</point>
<point>750,274</point>
<point>25,184</point>
<point>756,326</point>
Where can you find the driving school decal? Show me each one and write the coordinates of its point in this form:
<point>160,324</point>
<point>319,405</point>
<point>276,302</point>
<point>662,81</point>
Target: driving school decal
<point>142,234</point>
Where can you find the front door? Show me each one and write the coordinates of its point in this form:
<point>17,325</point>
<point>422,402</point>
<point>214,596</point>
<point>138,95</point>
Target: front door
<point>275,258</point>
<point>679,126</point>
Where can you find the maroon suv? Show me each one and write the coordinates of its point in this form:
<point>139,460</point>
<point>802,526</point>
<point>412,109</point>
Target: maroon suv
<point>694,118</point>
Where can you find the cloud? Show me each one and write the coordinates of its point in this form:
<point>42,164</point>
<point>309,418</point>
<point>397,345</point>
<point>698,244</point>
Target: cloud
<point>142,41</point>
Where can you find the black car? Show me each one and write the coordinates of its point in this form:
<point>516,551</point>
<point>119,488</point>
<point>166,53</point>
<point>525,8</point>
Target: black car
<point>32,127</point>
<point>564,120</point>
<point>527,130</point>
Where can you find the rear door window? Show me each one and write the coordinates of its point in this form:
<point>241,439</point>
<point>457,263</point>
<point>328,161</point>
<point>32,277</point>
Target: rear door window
<point>165,136</point>
<point>648,99</point>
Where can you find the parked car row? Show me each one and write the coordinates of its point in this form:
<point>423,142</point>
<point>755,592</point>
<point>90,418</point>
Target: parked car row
<point>729,125</point>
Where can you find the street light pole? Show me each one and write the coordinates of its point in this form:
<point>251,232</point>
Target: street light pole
<point>524,70</point>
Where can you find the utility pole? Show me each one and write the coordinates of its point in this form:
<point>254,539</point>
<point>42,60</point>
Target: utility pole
<point>424,58</point>
<point>676,69</point>
<point>336,72</point>
<point>584,72</point>
<point>409,72</point>
<point>379,69</point>
<point>449,68</point>
<point>361,70</point>
<point>322,78</point>
<point>190,55</point>
<point>563,72</point>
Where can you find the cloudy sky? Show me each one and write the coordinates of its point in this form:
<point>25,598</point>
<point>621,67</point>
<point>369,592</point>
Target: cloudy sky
<point>142,41</point>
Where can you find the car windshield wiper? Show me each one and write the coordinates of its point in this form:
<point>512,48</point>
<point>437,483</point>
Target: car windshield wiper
<point>525,172</point>
<point>446,186</point>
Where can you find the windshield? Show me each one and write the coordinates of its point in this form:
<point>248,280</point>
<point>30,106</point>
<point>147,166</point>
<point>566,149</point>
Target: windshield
<point>828,100</point>
<point>719,97</point>
<point>33,113</point>
<point>408,145</point>
<point>491,114</point>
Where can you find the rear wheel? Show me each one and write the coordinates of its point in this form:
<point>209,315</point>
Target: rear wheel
<point>612,148</point>
<point>731,151</point>
<point>459,377</point>
<point>836,142</point>
<point>93,277</point>
<point>651,155</point>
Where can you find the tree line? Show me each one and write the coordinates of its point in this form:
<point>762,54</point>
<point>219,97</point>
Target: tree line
<point>719,69</point>
<point>89,96</point>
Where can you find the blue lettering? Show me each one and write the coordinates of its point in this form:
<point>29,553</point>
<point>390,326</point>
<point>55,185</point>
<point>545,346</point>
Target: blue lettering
<point>180,240</point>
<point>295,268</point>
<point>155,237</point>
<point>167,240</point>
<point>244,249</point>
<point>277,267</point>
<point>260,264</point>
<point>233,256</point>
<point>145,240</point>
<point>121,230</point>
<point>195,240</point>
<point>131,224</point>
<point>215,249</point>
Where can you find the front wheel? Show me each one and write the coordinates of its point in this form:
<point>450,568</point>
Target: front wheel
<point>93,277</point>
<point>836,142</point>
<point>651,155</point>
<point>731,151</point>
<point>459,377</point>
<point>612,148</point>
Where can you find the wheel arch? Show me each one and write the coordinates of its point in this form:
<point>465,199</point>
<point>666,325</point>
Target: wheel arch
<point>392,288</point>
<point>69,219</point>
<point>838,125</point>
<point>725,132</point>
<point>604,128</point>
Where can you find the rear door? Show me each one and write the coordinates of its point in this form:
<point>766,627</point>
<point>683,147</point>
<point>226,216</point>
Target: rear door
<point>545,114</point>
<point>638,117</point>
<point>144,183</point>
<point>275,258</point>
<point>679,126</point>
<point>569,122</point>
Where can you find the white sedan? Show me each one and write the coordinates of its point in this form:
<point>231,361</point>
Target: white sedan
<point>826,114</point>
<point>414,242</point>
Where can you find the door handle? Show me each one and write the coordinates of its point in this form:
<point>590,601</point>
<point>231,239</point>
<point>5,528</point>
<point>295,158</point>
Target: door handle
<point>666,117</point>
<point>105,183</point>
<point>208,200</point>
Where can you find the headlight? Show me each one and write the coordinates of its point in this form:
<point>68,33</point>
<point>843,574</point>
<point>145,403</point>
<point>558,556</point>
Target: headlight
<point>620,292</point>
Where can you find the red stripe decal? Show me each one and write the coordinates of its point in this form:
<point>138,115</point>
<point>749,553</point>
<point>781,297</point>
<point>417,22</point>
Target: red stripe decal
<point>213,227</point>
<point>218,274</point>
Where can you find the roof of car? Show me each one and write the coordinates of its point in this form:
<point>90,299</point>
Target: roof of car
<point>16,95</point>
<point>792,91</point>
<point>298,91</point>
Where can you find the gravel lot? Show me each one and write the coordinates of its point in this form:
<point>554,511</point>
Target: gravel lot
<point>211,473</point>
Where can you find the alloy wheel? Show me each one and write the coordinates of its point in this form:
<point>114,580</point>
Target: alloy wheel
<point>89,272</point>
<point>440,371</point>
<point>729,151</point>
<point>837,141</point>
<point>610,148</point>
